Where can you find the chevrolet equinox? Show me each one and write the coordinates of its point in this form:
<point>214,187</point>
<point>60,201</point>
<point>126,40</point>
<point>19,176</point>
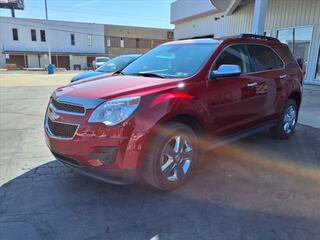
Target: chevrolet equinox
<point>153,119</point>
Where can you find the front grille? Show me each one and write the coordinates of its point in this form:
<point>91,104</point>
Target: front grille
<point>62,130</point>
<point>67,107</point>
<point>66,159</point>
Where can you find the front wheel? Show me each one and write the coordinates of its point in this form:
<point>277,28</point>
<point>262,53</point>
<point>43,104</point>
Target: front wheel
<point>287,123</point>
<point>171,156</point>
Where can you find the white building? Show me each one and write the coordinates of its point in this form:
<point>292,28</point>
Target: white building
<point>25,42</point>
<point>294,22</point>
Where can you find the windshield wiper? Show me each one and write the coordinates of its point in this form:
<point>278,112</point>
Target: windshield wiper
<point>149,74</point>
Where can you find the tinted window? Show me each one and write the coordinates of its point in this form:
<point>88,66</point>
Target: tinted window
<point>263,58</point>
<point>235,55</point>
<point>43,35</point>
<point>174,60</point>
<point>285,49</point>
<point>15,34</point>
<point>33,35</point>
<point>72,38</point>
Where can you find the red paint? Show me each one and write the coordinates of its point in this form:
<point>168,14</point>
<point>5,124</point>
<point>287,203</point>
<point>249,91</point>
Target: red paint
<point>222,107</point>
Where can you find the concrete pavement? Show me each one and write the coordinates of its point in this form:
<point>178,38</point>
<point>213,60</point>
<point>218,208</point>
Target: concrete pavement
<point>257,188</point>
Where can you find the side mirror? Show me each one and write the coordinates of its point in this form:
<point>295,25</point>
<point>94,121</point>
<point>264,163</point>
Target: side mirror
<point>226,70</point>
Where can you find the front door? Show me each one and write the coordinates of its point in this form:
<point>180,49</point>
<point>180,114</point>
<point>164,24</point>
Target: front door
<point>232,100</point>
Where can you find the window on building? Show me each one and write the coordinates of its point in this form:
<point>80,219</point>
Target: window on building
<point>43,35</point>
<point>137,42</point>
<point>89,40</point>
<point>267,33</point>
<point>72,38</point>
<point>170,35</point>
<point>263,58</point>
<point>108,42</point>
<point>318,67</point>
<point>298,39</point>
<point>33,35</point>
<point>15,34</point>
<point>121,42</point>
<point>286,36</point>
<point>302,40</point>
<point>235,55</point>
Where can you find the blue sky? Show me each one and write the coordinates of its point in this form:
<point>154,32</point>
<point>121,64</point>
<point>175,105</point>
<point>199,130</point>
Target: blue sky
<point>147,13</point>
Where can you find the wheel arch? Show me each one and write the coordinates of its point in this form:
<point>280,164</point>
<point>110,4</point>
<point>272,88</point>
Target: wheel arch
<point>296,96</point>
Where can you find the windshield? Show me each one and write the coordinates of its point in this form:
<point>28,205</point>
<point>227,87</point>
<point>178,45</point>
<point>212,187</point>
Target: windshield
<point>116,64</point>
<point>174,60</point>
<point>102,59</point>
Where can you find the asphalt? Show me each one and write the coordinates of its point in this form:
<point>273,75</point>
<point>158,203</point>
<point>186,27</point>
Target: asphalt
<point>256,188</point>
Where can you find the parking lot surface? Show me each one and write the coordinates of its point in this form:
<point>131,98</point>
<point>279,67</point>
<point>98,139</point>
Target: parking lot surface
<point>257,188</point>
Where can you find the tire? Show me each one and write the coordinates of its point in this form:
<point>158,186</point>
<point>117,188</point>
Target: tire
<point>286,125</point>
<point>167,164</point>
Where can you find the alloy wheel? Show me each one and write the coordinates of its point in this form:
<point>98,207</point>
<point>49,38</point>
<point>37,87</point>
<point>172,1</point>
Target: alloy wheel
<point>290,119</point>
<point>176,158</point>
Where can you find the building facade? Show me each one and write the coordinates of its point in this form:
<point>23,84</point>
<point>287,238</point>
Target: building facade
<point>25,43</point>
<point>127,40</point>
<point>294,22</point>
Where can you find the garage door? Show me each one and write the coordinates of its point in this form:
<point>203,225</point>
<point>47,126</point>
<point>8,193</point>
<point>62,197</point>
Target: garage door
<point>16,59</point>
<point>64,62</point>
<point>61,61</point>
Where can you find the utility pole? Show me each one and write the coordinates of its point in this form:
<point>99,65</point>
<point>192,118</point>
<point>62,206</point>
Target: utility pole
<point>48,37</point>
<point>259,16</point>
<point>13,14</point>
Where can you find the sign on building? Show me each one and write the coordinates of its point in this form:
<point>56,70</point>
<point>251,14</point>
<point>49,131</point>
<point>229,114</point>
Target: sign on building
<point>12,4</point>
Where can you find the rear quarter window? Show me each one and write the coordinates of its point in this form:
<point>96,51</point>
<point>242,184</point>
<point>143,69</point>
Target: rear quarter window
<point>287,53</point>
<point>264,58</point>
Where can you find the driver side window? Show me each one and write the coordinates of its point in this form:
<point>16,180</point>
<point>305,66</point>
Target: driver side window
<point>235,55</point>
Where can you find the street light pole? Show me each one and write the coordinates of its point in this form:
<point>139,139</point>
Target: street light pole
<point>48,38</point>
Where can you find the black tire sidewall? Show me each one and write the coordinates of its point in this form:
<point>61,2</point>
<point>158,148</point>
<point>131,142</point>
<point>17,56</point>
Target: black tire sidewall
<point>152,172</point>
<point>279,132</point>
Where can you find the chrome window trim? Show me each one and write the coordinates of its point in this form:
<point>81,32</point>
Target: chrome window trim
<point>249,73</point>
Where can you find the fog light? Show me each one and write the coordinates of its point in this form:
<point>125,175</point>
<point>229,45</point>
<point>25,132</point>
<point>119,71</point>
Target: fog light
<point>103,155</point>
<point>95,162</point>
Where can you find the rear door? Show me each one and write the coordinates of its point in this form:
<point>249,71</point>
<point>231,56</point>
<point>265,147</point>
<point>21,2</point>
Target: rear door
<point>267,72</point>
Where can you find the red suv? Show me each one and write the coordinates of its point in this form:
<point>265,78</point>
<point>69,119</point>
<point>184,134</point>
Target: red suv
<point>154,118</point>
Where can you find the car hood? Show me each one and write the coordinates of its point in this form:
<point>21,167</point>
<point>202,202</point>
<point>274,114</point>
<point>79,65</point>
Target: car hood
<point>115,86</point>
<point>87,75</point>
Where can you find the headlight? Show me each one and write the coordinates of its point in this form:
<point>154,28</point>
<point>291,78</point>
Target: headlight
<point>115,111</point>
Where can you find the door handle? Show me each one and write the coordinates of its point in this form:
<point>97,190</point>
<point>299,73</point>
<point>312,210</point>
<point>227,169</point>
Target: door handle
<point>252,85</point>
<point>283,76</point>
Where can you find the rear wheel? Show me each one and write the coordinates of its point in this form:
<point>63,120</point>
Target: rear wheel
<point>171,157</point>
<point>287,123</point>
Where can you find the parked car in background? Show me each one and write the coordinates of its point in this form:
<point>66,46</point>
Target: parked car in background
<point>99,61</point>
<point>181,98</point>
<point>113,65</point>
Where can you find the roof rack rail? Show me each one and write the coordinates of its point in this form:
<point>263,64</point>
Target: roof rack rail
<point>255,36</point>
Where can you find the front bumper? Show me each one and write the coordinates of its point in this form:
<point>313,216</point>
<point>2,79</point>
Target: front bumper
<point>108,153</point>
<point>110,176</point>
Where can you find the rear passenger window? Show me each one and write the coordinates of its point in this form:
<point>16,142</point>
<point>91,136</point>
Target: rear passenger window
<point>235,55</point>
<point>263,58</point>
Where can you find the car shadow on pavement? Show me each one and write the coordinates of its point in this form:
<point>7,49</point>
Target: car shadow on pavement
<point>257,188</point>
